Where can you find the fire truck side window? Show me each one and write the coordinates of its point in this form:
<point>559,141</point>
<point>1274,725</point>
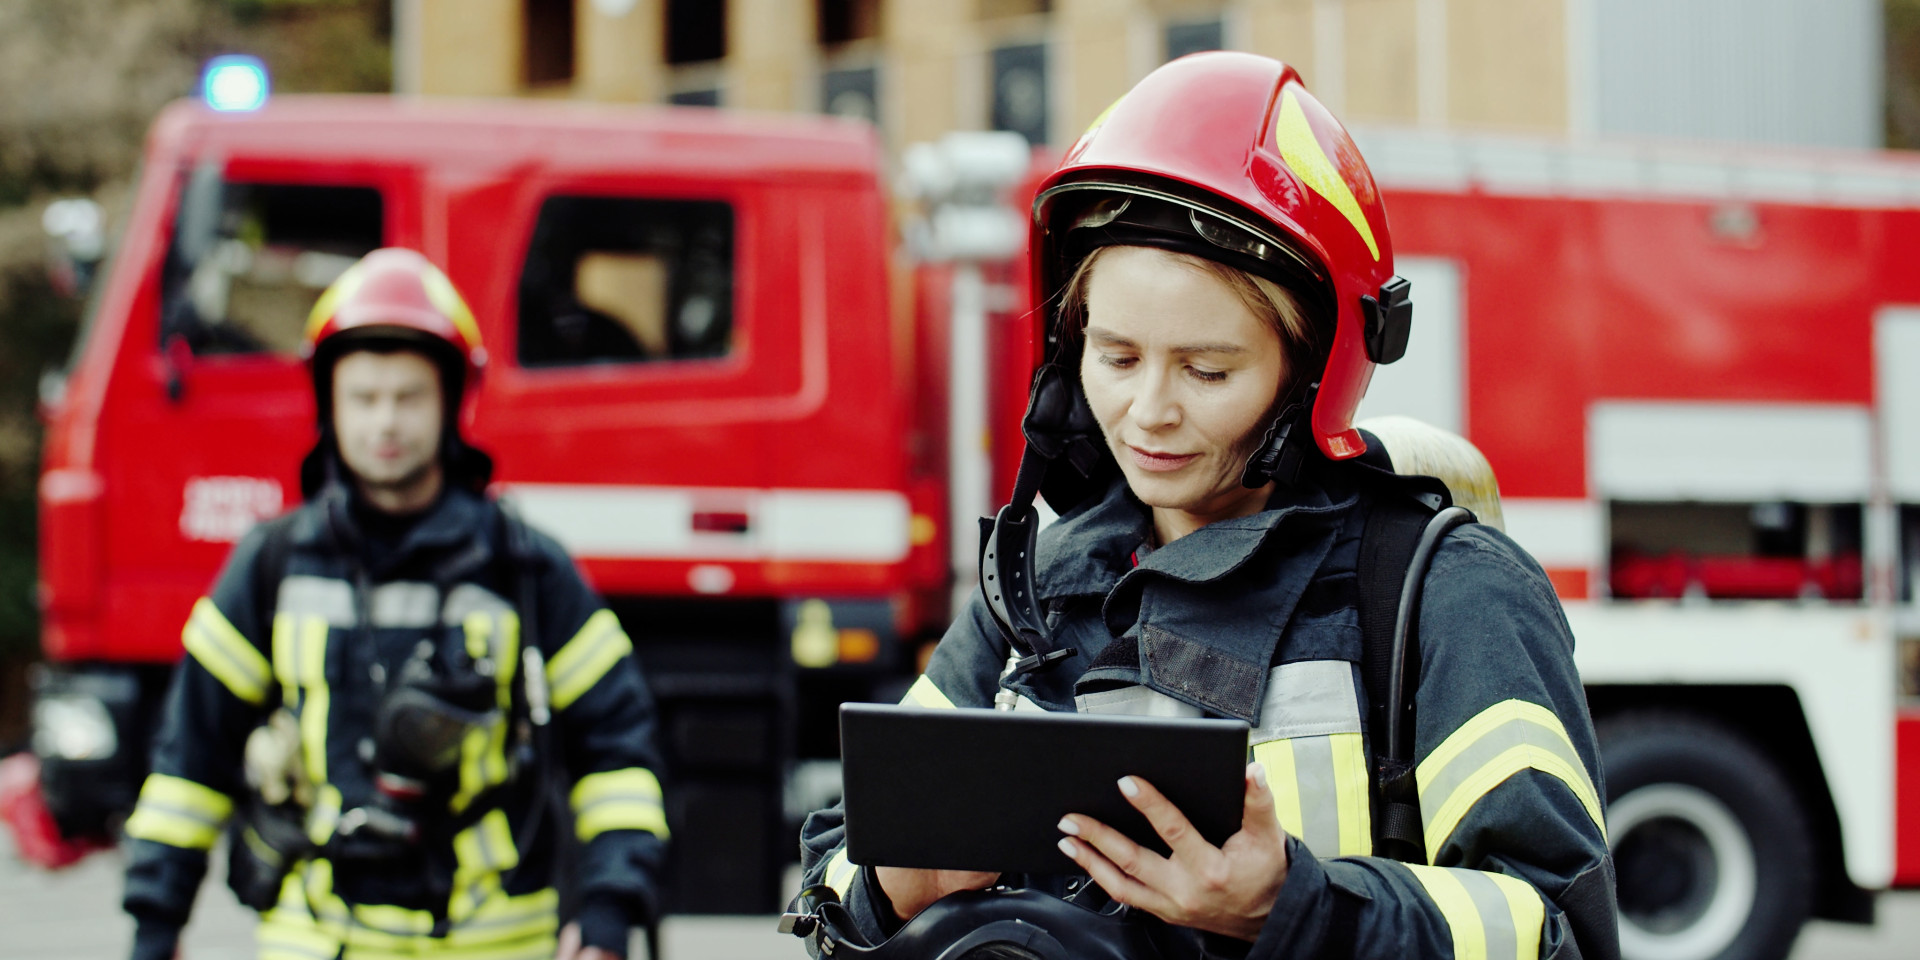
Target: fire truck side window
<point>249,259</point>
<point>625,280</point>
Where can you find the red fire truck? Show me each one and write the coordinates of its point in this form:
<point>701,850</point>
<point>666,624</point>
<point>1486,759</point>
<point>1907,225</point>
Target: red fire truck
<point>708,379</point>
<point>701,380</point>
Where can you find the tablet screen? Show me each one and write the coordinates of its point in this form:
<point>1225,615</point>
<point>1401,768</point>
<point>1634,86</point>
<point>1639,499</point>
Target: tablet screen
<point>975,789</point>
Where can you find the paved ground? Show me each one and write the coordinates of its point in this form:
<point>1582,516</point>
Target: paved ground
<point>74,915</point>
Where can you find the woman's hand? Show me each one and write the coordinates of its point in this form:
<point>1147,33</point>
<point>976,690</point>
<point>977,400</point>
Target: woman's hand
<point>1227,890</point>
<point>570,948</point>
<point>914,890</point>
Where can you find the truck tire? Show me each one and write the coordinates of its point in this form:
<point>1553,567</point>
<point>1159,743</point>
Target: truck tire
<point>1713,853</point>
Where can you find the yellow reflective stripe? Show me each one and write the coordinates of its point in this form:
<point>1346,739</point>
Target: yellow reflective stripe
<point>626,799</point>
<point>1528,913</point>
<point>178,812</point>
<point>226,654</point>
<point>586,658</point>
<point>325,814</point>
<point>506,655</point>
<point>478,627</point>
<point>923,693</point>
<point>1502,740</point>
<point>483,761</point>
<point>840,873</point>
<point>1294,137</point>
<point>1490,916</point>
<point>1277,757</point>
<point>1463,918</point>
<point>286,657</point>
<point>505,918</point>
<point>316,698</point>
<point>480,853</point>
<point>1350,795</point>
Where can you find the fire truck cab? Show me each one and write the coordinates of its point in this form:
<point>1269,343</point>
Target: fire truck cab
<point>693,381</point>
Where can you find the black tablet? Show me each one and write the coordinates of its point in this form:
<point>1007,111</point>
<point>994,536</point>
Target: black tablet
<point>975,789</point>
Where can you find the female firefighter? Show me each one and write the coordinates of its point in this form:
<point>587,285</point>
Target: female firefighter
<point>1216,268</point>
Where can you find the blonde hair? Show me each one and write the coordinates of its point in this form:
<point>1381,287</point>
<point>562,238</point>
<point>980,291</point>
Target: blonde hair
<point>1273,304</point>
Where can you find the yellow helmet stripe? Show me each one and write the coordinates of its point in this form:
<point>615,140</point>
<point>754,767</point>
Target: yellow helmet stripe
<point>447,300</point>
<point>1301,150</point>
<point>342,287</point>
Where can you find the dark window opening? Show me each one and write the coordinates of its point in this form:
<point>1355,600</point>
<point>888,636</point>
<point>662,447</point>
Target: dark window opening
<point>623,280</point>
<point>853,92</point>
<point>248,260</point>
<point>1184,38</point>
<point>1020,91</point>
<point>709,97</point>
<point>842,21</point>
<point>549,37</point>
<point>995,9</point>
<point>1736,551</point>
<point>696,30</point>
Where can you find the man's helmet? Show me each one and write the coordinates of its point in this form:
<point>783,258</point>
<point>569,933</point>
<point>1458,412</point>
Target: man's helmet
<point>395,298</point>
<point>1224,156</point>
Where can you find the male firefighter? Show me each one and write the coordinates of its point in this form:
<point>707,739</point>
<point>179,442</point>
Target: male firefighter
<point>386,686</point>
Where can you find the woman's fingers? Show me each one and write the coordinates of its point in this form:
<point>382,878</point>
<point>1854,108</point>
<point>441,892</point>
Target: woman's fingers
<point>1117,882</point>
<point>1112,845</point>
<point>1259,819</point>
<point>1167,820</point>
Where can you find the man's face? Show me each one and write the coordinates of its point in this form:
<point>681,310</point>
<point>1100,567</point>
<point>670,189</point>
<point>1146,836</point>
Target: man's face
<point>387,414</point>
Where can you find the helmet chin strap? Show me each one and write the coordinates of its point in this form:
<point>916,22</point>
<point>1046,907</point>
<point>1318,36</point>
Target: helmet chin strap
<point>1284,449</point>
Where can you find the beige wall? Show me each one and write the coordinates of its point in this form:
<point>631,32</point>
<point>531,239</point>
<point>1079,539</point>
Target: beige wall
<point>1507,64</point>
<point>619,58</point>
<point>1382,60</point>
<point>1094,51</point>
<point>922,39</point>
<point>470,48</point>
<point>1283,29</point>
<point>771,55</point>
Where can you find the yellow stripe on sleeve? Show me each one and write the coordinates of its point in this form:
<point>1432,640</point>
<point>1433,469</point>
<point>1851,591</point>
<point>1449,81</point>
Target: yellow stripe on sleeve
<point>626,799</point>
<point>226,653</point>
<point>841,873</point>
<point>1456,906</point>
<point>179,813</point>
<point>1350,793</point>
<point>1284,782</point>
<point>924,694</point>
<point>1484,752</point>
<point>586,658</point>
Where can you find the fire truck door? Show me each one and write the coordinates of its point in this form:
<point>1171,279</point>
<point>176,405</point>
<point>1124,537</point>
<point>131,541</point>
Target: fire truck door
<point>216,413</point>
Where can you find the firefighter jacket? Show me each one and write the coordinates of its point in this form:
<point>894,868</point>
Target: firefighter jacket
<point>1257,618</point>
<point>343,619</point>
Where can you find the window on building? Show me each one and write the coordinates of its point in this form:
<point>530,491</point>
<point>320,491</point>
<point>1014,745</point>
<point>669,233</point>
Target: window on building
<point>1192,36</point>
<point>851,92</point>
<point>843,21</point>
<point>696,30</point>
<point>627,280</point>
<point>549,39</point>
<point>995,9</point>
<point>1020,90</point>
<point>248,260</point>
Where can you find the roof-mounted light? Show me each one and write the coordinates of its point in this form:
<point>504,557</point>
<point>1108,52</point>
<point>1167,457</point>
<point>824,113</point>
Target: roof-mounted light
<point>234,83</point>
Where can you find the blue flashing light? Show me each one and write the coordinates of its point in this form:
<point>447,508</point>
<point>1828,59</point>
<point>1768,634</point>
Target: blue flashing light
<point>234,82</point>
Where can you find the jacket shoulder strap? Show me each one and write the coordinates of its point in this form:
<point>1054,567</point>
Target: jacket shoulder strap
<point>270,567</point>
<point>1387,546</point>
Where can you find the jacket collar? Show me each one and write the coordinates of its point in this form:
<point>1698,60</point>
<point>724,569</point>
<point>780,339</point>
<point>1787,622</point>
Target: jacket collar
<point>456,523</point>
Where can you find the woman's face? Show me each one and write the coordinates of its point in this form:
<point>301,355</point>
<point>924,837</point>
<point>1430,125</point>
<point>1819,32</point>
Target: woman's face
<point>1181,376</point>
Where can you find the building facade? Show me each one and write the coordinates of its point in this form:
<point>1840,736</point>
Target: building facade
<point>1786,71</point>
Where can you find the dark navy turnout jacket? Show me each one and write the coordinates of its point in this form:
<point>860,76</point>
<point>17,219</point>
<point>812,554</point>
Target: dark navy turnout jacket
<point>1257,618</point>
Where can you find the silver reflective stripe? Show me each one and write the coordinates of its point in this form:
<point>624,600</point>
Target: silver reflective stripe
<point>402,603</point>
<point>330,600</point>
<point>1309,698</point>
<point>1496,918</point>
<point>470,598</point>
<point>1319,807</point>
<point>1469,763</point>
<point>1135,701</point>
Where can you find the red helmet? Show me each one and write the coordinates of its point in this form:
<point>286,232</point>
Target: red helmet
<point>394,293</point>
<point>1228,157</point>
<point>395,296</point>
<point>1225,156</point>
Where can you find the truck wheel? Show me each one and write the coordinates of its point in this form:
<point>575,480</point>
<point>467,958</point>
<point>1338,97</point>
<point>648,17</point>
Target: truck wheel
<point>1712,851</point>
